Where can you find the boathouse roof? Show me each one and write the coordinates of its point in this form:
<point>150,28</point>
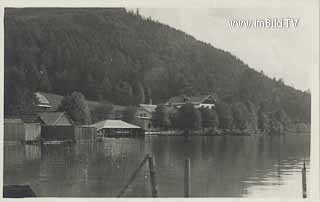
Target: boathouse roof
<point>24,118</point>
<point>116,124</point>
<point>12,120</point>
<point>55,118</point>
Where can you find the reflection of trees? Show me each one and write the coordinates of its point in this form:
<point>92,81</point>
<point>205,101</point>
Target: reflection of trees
<point>32,152</point>
<point>113,164</point>
<point>13,164</point>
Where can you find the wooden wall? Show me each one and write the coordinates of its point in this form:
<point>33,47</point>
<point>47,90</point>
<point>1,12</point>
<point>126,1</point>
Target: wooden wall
<point>32,131</point>
<point>57,133</point>
<point>14,132</point>
<point>20,132</point>
<point>85,133</point>
<point>63,133</point>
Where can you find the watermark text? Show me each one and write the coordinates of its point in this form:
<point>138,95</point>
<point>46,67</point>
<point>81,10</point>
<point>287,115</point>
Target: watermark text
<point>264,23</point>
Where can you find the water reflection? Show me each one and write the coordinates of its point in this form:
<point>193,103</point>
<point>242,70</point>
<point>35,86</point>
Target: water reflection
<point>220,166</point>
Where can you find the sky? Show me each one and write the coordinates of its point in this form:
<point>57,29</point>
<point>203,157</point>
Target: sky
<point>287,53</point>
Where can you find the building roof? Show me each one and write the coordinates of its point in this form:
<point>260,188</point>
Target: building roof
<point>184,99</point>
<point>54,100</point>
<point>43,101</point>
<point>26,118</point>
<point>12,120</point>
<point>148,107</point>
<point>52,118</point>
<point>30,118</point>
<point>117,124</point>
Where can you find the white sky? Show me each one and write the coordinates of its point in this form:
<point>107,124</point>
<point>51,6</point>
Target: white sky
<point>282,53</point>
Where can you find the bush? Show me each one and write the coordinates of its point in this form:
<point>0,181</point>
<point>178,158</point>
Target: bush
<point>102,112</point>
<point>161,117</point>
<point>77,108</point>
<point>188,118</point>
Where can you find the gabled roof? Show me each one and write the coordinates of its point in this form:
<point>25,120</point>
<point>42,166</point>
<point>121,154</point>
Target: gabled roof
<point>52,118</point>
<point>148,108</point>
<point>184,99</point>
<point>117,124</point>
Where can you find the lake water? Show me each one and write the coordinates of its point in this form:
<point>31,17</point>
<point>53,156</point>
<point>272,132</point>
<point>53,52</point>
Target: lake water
<point>220,166</point>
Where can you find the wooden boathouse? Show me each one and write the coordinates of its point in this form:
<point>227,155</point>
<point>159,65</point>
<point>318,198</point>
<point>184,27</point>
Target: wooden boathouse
<point>117,128</point>
<point>22,129</point>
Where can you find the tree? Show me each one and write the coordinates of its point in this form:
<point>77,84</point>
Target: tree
<point>240,115</point>
<point>282,117</point>
<point>123,93</point>
<point>161,117</point>
<point>77,108</point>
<point>129,114</point>
<point>139,95</point>
<point>253,117</point>
<point>275,127</point>
<point>264,122</point>
<point>19,102</point>
<point>102,112</point>
<point>173,117</point>
<point>225,115</point>
<point>185,86</point>
<point>188,118</point>
<point>263,119</point>
<point>18,98</point>
<point>276,122</point>
<point>106,88</point>
<point>209,118</point>
<point>91,88</point>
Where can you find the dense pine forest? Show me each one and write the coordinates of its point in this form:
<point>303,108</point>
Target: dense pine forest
<point>118,56</point>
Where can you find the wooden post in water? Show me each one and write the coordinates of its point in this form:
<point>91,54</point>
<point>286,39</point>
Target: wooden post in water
<point>304,181</point>
<point>133,176</point>
<point>152,177</point>
<point>187,178</point>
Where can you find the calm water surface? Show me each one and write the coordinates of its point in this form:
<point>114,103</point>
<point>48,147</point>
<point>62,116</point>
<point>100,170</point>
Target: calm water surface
<point>220,166</point>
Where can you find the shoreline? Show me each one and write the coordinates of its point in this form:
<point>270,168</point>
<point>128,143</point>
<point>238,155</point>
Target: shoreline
<point>221,133</point>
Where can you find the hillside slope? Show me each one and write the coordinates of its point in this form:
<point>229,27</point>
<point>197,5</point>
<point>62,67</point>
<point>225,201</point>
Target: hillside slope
<point>111,54</point>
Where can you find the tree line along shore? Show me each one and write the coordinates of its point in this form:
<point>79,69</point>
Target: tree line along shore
<point>234,119</point>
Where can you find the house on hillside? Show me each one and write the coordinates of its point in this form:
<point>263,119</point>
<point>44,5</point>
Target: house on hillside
<point>43,103</point>
<point>206,101</point>
<point>144,115</point>
<point>51,102</point>
<point>117,128</point>
<point>48,101</point>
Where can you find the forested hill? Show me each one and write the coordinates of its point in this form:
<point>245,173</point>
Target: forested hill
<point>122,57</point>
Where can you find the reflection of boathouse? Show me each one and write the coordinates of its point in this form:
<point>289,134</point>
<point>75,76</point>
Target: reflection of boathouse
<point>117,128</point>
